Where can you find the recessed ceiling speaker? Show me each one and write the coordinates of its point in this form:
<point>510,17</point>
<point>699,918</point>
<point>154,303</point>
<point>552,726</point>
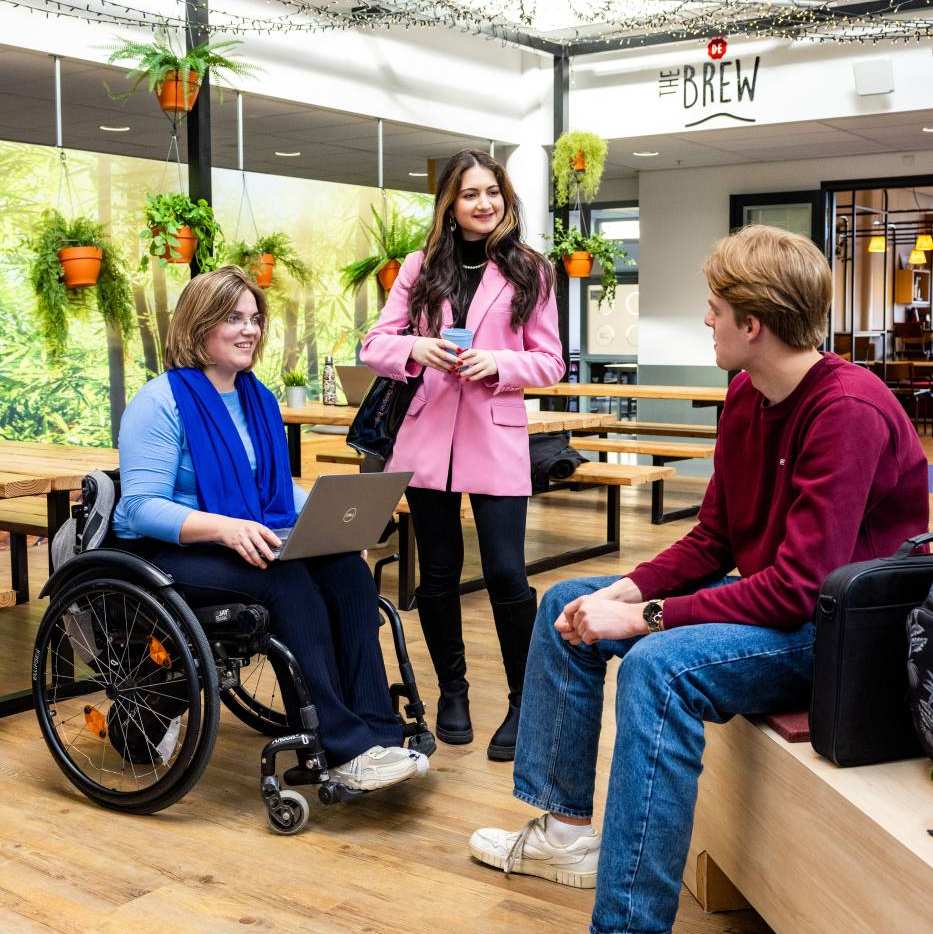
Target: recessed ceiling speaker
<point>874,77</point>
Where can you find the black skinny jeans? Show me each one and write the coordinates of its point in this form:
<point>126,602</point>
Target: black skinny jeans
<point>325,611</point>
<point>500,526</point>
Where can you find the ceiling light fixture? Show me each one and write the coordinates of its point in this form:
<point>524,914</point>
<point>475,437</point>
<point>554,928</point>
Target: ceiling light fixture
<point>287,155</point>
<point>876,244</point>
<point>927,129</point>
<point>646,154</point>
<point>418,174</point>
<point>924,242</point>
<point>917,258</point>
<point>114,129</point>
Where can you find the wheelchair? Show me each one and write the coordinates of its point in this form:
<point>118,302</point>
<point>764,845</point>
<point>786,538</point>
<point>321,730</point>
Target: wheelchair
<point>128,675</point>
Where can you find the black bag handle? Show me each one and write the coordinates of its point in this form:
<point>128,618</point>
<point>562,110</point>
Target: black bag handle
<point>912,544</point>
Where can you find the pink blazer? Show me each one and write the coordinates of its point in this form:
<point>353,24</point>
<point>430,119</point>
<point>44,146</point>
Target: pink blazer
<point>479,429</point>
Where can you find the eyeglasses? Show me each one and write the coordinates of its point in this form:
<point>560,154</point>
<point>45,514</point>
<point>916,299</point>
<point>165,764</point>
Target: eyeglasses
<point>236,320</point>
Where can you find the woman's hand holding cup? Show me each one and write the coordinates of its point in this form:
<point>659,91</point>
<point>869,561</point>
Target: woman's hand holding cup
<point>477,364</point>
<point>434,352</point>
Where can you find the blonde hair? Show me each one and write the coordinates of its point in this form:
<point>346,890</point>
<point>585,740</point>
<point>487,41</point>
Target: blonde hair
<point>206,301</point>
<point>779,277</point>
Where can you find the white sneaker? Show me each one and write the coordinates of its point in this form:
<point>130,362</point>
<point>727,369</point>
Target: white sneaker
<point>530,853</point>
<point>378,767</point>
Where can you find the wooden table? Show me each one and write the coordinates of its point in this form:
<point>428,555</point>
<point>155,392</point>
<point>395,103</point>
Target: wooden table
<point>33,469</point>
<point>318,414</point>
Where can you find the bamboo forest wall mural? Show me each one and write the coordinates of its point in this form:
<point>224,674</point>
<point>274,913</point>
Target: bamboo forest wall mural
<point>76,395</point>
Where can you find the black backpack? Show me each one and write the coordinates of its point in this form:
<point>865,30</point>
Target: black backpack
<point>920,671</point>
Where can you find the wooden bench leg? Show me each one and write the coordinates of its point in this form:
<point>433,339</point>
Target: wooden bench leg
<point>407,558</point>
<point>658,515</point>
<point>712,888</point>
<point>19,559</point>
<point>294,449</point>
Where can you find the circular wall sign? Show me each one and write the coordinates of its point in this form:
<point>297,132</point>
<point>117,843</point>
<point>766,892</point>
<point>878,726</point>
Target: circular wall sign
<point>716,49</point>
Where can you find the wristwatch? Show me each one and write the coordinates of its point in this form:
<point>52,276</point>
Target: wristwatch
<point>653,615</point>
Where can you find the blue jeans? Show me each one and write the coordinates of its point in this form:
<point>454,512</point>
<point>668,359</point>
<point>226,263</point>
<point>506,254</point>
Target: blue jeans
<point>668,684</point>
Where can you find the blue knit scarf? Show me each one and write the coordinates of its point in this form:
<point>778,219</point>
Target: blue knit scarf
<point>223,475</point>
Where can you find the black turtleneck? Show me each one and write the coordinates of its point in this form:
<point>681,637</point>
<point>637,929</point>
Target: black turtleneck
<point>469,253</point>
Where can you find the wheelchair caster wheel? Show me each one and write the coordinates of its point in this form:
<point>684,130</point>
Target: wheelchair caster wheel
<point>291,815</point>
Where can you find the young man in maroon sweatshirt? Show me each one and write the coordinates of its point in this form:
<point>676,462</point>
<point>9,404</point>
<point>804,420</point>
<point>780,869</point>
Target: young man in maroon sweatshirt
<point>816,466</point>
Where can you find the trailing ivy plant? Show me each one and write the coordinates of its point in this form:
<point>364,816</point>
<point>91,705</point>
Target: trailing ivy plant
<point>566,179</point>
<point>165,214</point>
<point>606,252</point>
<point>155,60</point>
<point>246,256</point>
<point>54,300</point>
<point>394,237</point>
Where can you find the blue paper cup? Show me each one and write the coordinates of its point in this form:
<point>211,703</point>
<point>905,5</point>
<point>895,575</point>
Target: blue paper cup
<point>462,337</point>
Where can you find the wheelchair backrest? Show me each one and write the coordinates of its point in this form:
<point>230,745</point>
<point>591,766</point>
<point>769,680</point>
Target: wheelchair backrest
<point>88,518</point>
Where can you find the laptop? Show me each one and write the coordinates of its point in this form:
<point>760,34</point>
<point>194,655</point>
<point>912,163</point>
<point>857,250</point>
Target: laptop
<point>355,380</point>
<point>343,513</point>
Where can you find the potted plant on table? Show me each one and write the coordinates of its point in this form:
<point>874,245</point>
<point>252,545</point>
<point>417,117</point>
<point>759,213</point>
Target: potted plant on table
<point>296,389</point>
<point>178,229</point>
<point>259,258</point>
<point>578,250</point>
<point>394,236</point>
<point>66,258</point>
<point>176,77</point>
<point>577,164</point>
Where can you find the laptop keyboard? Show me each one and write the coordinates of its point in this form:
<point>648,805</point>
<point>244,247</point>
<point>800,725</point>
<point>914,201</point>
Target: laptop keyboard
<point>283,537</point>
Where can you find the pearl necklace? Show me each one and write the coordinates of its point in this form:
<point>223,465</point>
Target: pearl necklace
<point>477,266</point>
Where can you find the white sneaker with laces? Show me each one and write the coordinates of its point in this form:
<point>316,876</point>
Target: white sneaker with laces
<point>379,767</point>
<point>530,852</point>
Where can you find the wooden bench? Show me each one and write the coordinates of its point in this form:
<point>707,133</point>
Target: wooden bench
<point>22,516</point>
<point>669,429</point>
<point>661,453</point>
<point>814,848</point>
<point>612,476</point>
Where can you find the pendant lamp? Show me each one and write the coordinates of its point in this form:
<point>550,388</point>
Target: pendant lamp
<point>924,242</point>
<point>876,244</point>
<point>917,258</point>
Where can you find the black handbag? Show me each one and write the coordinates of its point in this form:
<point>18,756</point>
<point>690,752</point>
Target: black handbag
<point>920,671</point>
<point>859,708</point>
<point>379,418</point>
<point>552,458</point>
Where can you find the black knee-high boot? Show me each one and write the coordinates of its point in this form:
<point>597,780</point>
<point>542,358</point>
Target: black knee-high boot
<point>514,624</point>
<point>443,633</point>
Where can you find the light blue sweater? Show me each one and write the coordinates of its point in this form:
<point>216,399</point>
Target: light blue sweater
<point>157,482</point>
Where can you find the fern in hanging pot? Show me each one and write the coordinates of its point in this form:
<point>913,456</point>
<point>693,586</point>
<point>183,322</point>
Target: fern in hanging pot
<point>577,164</point>
<point>578,251</point>
<point>259,259</point>
<point>178,229</point>
<point>175,76</point>
<point>65,259</point>
<point>394,237</point>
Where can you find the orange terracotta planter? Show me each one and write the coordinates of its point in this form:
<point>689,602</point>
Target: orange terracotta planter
<point>174,97</point>
<point>388,274</point>
<point>579,162</point>
<point>264,270</point>
<point>185,245</point>
<point>578,265</point>
<point>80,265</point>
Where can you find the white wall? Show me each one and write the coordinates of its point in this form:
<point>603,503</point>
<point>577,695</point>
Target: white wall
<point>684,212</point>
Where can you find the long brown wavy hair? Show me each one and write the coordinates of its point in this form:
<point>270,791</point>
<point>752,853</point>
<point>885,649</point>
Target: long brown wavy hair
<point>530,274</point>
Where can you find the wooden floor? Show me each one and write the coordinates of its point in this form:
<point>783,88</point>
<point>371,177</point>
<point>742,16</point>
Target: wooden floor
<point>394,861</point>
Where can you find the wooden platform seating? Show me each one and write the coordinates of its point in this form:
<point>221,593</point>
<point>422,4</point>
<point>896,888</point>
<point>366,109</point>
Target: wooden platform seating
<point>22,516</point>
<point>661,453</point>
<point>667,429</point>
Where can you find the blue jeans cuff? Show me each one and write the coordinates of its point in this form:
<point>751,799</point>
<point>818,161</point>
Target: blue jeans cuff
<point>549,806</point>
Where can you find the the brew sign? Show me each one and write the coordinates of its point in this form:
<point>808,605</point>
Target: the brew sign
<point>713,89</point>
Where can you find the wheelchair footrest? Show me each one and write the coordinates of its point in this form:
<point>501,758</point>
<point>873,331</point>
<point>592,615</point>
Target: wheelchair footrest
<point>297,775</point>
<point>332,793</point>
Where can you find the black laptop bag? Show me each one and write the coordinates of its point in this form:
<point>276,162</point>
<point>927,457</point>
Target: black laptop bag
<point>859,708</point>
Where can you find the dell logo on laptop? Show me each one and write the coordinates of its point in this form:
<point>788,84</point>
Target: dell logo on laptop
<point>349,515</point>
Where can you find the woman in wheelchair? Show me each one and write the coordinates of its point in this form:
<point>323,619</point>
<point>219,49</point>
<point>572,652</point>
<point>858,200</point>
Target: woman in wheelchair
<point>205,478</point>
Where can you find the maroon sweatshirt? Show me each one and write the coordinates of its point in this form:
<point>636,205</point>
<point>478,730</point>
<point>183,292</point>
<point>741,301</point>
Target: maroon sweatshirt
<point>833,474</point>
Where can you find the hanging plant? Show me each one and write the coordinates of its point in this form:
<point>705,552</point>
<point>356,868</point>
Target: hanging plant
<point>394,236</point>
<point>61,284</point>
<point>178,230</point>
<point>577,163</point>
<point>578,250</point>
<point>259,259</point>
<point>176,77</point>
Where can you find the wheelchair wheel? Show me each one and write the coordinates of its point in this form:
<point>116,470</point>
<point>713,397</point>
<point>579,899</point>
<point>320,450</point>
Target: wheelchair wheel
<point>125,690</point>
<point>258,700</point>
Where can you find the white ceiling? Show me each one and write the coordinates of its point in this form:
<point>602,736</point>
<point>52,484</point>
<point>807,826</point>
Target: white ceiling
<point>818,139</point>
<point>334,146</point>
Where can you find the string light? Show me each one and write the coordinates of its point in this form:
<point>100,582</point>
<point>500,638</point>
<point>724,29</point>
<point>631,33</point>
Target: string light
<point>617,23</point>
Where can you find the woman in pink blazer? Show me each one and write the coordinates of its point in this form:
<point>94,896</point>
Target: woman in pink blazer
<point>466,428</point>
